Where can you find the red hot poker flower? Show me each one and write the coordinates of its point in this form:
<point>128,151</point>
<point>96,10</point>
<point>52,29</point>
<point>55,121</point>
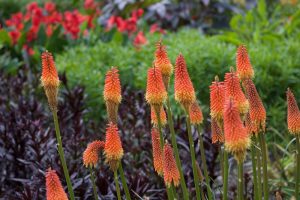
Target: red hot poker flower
<point>243,65</point>
<point>233,89</point>
<point>91,153</point>
<point>49,79</point>
<point>236,136</point>
<point>217,99</point>
<point>171,173</point>
<point>163,117</point>
<point>184,89</point>
<point>216,132</point>
<point>157,152</point>
<point>196,115</point>
<point>113,147</point>
<point>256,108</point>
<point>293,113</point>
<point>54,189</point>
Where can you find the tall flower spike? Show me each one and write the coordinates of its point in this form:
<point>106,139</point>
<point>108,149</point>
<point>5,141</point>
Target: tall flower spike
<point>251,128</point>
<point>196,115</point>
<point>233,90</point>
<point>171,173</point>
<point>217,99</point>
<point>243,64</point>
<point>49,79</point>
<point>256,108</point>
<point>91,153</point>
<point>293,113</point>
<point>157,152</point>
<point>162,61</point>
<point>237,140</point>
<point>184,89</point>
<point>156,93</point>
<point>54,189</point>
<point>163,117</point>
<point>112,94</point>
<point>113,147</point>
<point>216,132</point>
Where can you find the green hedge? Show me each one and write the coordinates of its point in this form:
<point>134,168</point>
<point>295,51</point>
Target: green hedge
<point>277,66</point>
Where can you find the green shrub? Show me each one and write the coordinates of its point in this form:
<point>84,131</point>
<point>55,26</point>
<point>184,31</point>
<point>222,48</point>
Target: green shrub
<point>277,67</point>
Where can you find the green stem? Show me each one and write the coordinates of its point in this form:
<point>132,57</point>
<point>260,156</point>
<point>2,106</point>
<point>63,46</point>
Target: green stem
<point>62,156</point>
<point>297,167</point>
<point>253,157</point>
<point>264,164</point>
<point>93,183</point>
<point>169,193</point>
<point>221,155</point>
<point>176,152</point>
<point>123,179</point>
<point>225,180</point>
<point>240,181</point>
<point>117,185</point>
<point>203,159</point>
<point>258,170</point>
<point>193,156</point>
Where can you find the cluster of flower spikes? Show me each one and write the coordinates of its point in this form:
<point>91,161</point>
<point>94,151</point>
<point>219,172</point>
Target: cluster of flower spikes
<point>49,79</point>
<point>54,189</point>
<point>183,86</point>
<point>293,113</point>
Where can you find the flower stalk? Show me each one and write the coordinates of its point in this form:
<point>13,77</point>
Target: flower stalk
<point>297,167</point>
<point>117,185</point>
<point>240,180</point>
<point>262,143</point>
<point>255,185</point>
<point>225,180</point>
<point>127,194</point>
<point>93,183</point>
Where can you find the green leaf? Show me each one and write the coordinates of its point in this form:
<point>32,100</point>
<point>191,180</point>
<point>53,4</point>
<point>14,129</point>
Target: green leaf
<point>4,37</point>
<point>262,9</point>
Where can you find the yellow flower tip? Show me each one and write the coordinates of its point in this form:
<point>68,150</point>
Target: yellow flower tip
<point>156,93</point>
<point>113,149</point>
<point>196,115</point>
<point>238,148</point>
<point>91,153</point>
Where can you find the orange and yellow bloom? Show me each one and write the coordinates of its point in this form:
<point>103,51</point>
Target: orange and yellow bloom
<point>157,152</point>
<point>54,189</point>
<point>217,135</point>
<point>171,173</point>
<point>113,149</point>
<point>196,115</point>
<point>163,117</point>
<point>49,79</point>
<point>217,99</point>
<point>243,64</point>
<point>91,153</point>
<point>293,113</point>
<point>183,86</point>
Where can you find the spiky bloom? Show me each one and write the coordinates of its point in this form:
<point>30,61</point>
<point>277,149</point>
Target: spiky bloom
<point>243,64</point>
<point>112,93</point>
<point>49,79</point>
<point>157,152</point>
<point>195,112</point>
<point>233,90</point>
<point>171,173</point>
<point>156,93</point>
<point>236,137</point>
<point>54,189</point>
<point>113,147</point>
<point>256,108</point>
<point>163,117</point>
<point>217,99</point>
<point>293,113</point>
<point>91,153</point>
<point>216,132</point>
<point>250,125</point>
<point>184,89</point>
<point>162,61</point>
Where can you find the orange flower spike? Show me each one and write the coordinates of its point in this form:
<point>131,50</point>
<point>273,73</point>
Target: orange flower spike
<point>233,89</point>
<point>156,93</point>
<point>162,61</point>
<point>163,117</point>
<point>112,93</point>
<point>217,99</point>
<point>113,147</point>
<point>91,153</point>
<point>243,64</point>
<point>293,113</point>
<point>49,79</point>
<point>251,128</point>
<point>157,152</point>
<point>54,189</point>
<point>216,133</point>
<point>183,86</point>
<point>171,172</point>
<point>196,115</point>
<point>256,108</point>
<point>237,140</point>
